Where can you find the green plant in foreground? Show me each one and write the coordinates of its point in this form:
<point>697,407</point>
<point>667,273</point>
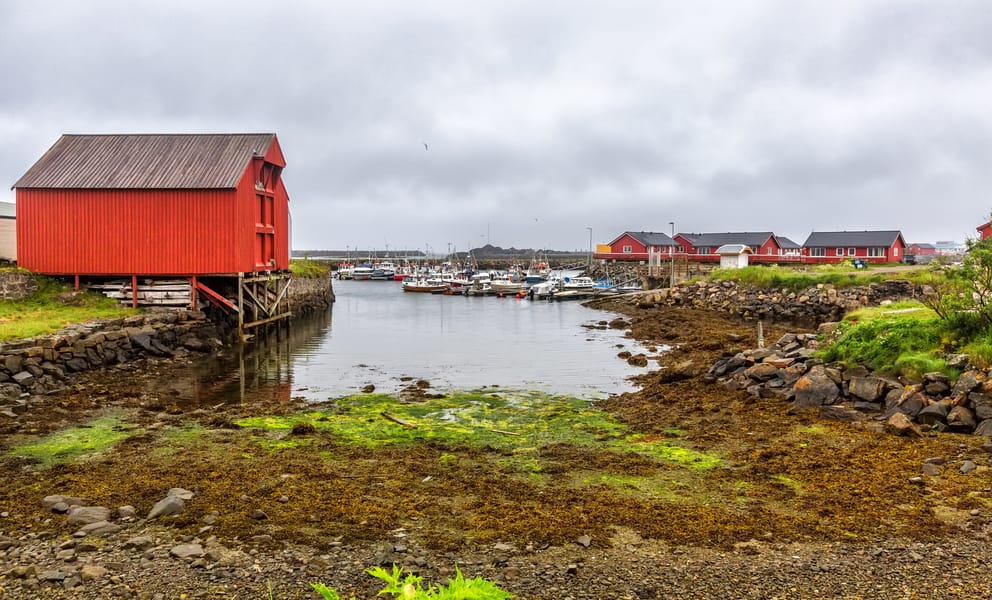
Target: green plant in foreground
<point>410,587</point>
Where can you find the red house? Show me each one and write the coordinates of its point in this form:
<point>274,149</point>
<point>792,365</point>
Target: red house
<point>154,206</point>
<point>985,230</point>
<point>636,245</point>
<point>702,246</point>
<point>921,249</point>
<point>837,246</point>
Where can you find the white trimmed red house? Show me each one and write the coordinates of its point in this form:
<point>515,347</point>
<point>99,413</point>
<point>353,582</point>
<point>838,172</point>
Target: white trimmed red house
<point>837,246</point>
<point>985,230</point>
<point>636,246</point>
<point>702,247</point>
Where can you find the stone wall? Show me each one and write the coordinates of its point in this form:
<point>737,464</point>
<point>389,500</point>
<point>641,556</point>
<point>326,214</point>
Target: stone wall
<point>307,294</point>
<point>44,364</point>
<point>17,285</point>
<point>811,306</point>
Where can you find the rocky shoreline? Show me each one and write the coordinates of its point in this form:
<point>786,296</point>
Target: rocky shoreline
<point>855,513</point>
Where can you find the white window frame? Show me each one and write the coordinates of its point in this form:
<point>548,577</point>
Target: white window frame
<point>628,249</point>
<point>818,251</point>
<point>852,251</point>
<point>876,252</point>
<point>839,251</point>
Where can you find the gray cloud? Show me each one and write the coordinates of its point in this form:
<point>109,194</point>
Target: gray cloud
<point>542,119</point>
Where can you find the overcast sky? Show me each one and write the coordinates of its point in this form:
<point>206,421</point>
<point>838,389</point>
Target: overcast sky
<point>541,118</point>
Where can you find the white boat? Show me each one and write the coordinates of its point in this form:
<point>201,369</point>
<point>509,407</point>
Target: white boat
<point>425,285</point>
<point>362,272</point>
<point>508,283</point>
<point>578,283</point>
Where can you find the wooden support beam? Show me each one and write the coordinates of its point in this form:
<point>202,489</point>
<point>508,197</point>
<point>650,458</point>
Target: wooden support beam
<point>269,320</point>
<point>216,298</point>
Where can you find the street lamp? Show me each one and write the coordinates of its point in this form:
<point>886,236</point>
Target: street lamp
<point>671,283</point>
<point>590,246</point>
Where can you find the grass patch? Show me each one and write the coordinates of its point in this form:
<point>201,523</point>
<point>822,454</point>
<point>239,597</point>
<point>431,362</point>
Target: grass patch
<point>53,307</point>
<point>518,425</point>
<point>306,268</point>
<point>775,277</point>
<point>74,443</point>
<point>904,338</point>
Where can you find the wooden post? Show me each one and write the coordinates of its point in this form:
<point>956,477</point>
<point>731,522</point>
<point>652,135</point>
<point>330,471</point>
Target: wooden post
<point>76,288</point>
<point>192,292</point>
<point>134,291</point>
<point>241,307</point>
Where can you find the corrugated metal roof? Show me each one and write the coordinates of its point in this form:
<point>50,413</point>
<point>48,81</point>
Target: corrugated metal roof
<point>852,239</point>
<point>146,161</point>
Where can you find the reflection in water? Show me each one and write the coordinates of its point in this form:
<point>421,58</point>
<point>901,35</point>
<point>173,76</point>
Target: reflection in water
<point>386,338</point>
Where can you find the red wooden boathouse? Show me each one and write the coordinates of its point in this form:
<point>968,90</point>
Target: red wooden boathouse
<point>154,206</point>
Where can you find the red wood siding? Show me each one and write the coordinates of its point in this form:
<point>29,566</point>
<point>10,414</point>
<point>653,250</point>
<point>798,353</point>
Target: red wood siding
<point>145,232</point>
<point>637,250</point>
<point>985,230</point>
<point>893,253</point>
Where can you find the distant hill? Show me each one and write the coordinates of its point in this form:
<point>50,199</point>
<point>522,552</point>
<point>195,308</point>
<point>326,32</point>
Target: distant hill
<point>487,251</point>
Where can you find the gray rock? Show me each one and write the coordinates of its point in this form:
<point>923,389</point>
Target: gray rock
<point>967,467</point>
<point>961,419</point>
<point>934,413</point>
<point>180,493</point>
<point>900,424</point>
<point>84,515</point>
<point>141,542</point>
<point>184,551</point>
<point>170,505</point>
<point>981,404</point>
<point>910,403</point>
<point>50,502</point>
<point>814,389</point>
<point>984,429</point>
<point>869,389</point>
<point>762,372</point>
<point>100,528</point>
<point>966,383</point>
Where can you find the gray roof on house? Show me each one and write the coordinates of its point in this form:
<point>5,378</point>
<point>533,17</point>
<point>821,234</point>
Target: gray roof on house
<point>146,161</point>
<point>786,243</point>
<point>8,210</point>
<point>752,239</point>
<point>829,239</point>
<point>650,238</point>
<point>922,245</point>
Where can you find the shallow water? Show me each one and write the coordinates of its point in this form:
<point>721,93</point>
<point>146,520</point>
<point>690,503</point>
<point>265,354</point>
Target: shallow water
<point>376,334</point>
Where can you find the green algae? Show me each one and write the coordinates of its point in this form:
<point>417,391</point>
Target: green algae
<point>515,424</point>
<point>75,443</point>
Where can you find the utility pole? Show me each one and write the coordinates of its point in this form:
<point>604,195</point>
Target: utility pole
<point>671,283</point>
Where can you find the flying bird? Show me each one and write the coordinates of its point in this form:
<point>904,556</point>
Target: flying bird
<point>425,145</point>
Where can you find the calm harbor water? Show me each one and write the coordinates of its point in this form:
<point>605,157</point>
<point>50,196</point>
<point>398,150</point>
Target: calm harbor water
<point>377,334</point>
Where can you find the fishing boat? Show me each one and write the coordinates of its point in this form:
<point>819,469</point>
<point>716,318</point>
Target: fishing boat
<point>362,272</point>
<point>538,271</point>
<point>507,283</point>
<point>425,285</point>
<point>344,271</point>
<point>578,283</point>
